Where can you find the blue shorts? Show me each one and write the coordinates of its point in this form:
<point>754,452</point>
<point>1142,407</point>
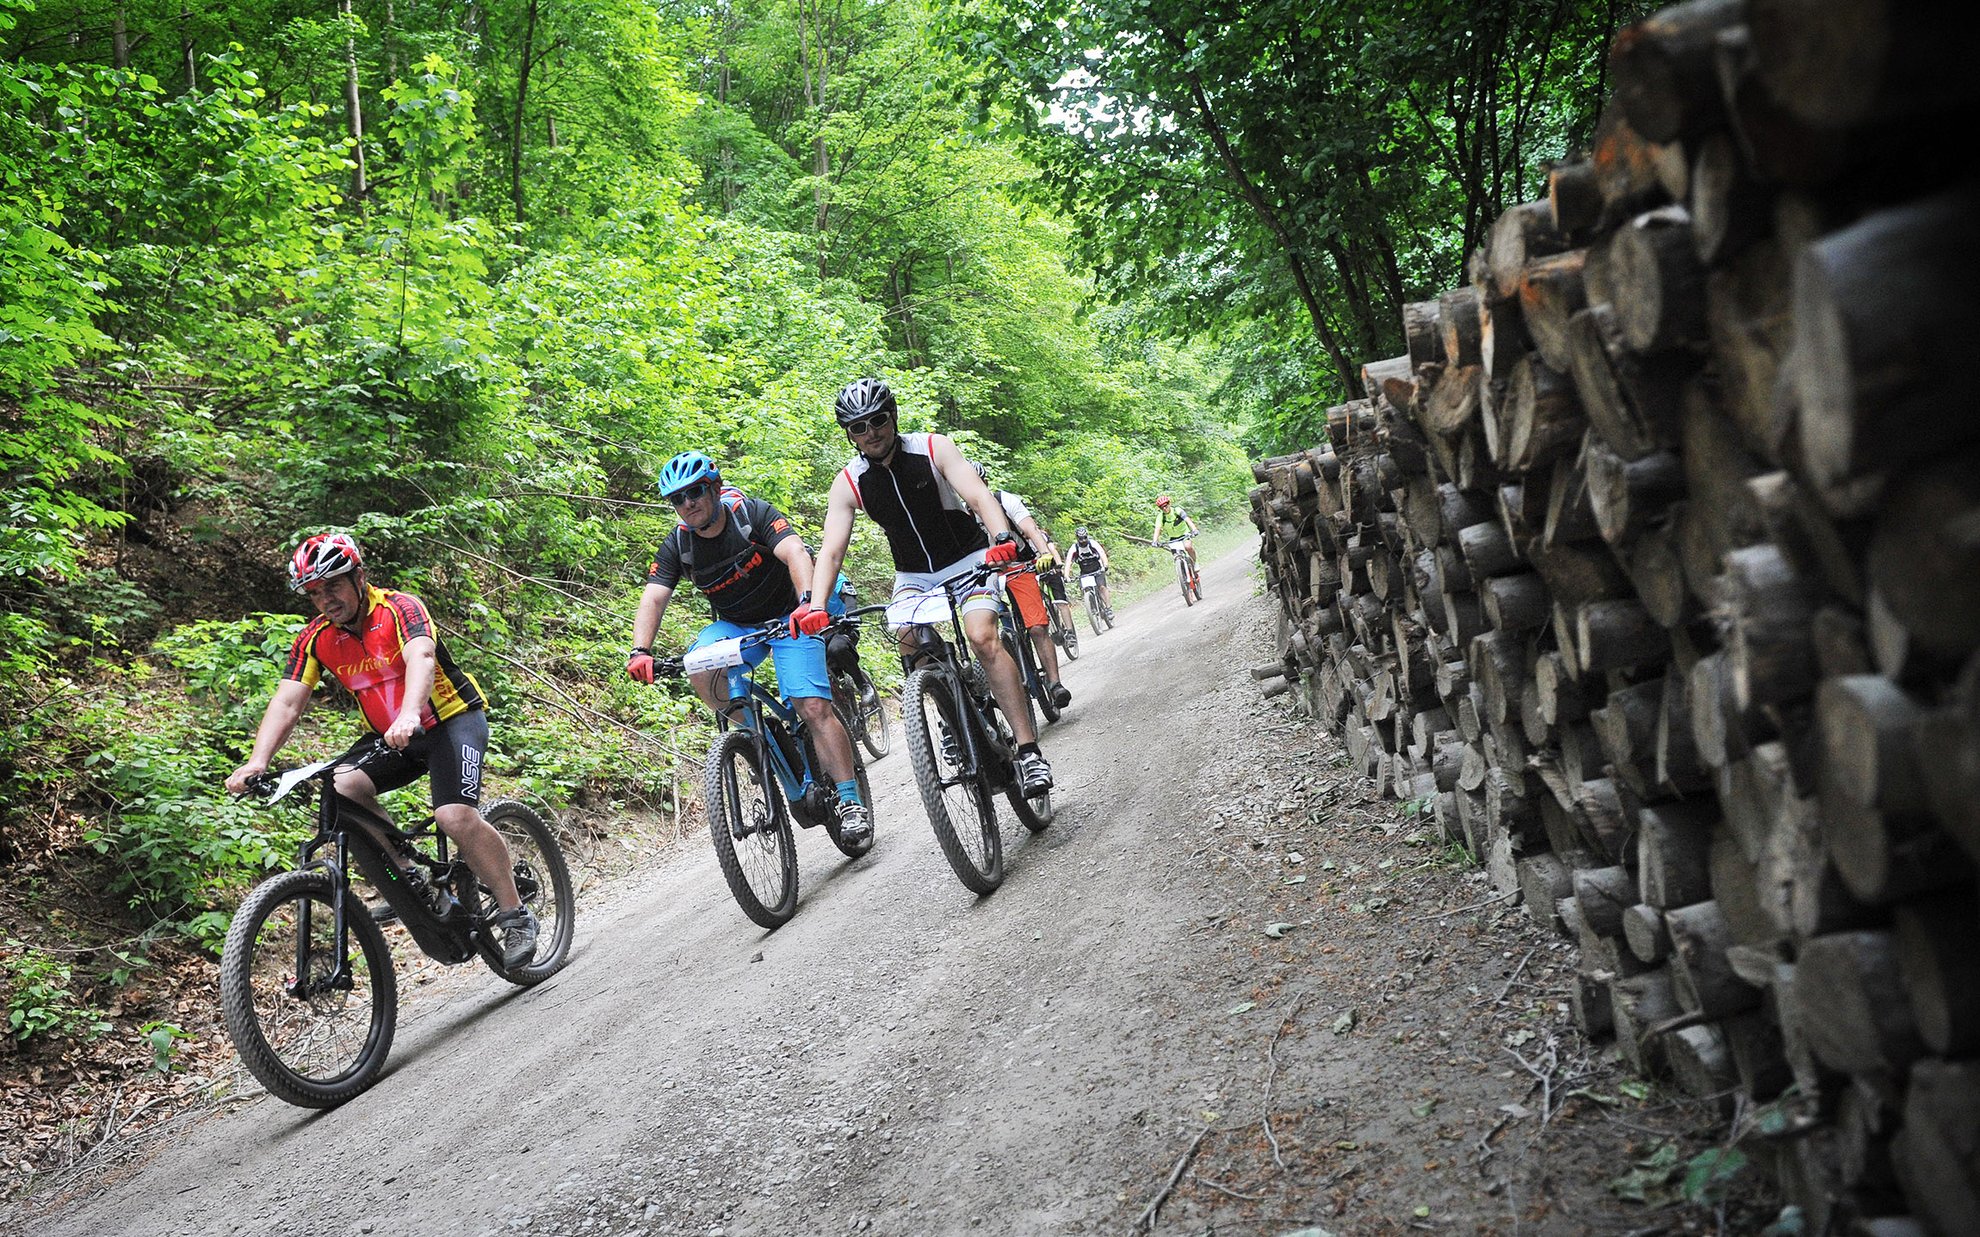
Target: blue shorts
<point>800,662</point>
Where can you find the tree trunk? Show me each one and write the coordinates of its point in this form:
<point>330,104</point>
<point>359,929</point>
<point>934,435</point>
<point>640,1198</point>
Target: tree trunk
<point>353,103</point>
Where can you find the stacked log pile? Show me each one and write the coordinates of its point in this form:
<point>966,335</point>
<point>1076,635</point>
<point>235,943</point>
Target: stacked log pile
<point>1654,567</point>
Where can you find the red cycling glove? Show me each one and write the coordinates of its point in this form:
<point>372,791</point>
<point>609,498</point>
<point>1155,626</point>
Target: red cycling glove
<point>1002,552</point>
<point>809,621</point>
<point>639,667</point>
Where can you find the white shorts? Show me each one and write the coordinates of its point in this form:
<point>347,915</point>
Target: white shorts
<point>918,595</point>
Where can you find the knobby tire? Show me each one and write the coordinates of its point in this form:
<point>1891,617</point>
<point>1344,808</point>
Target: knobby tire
<point>737,789</point>
<point>314,1051</point>
<point>972,844</point>
<point>543,879</point>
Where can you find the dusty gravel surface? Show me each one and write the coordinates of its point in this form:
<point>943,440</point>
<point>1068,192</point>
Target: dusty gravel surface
<point>1112,1028</point>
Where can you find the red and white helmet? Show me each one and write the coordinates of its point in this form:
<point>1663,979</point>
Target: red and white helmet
<point>1163,502</point>
<point>323,556</point>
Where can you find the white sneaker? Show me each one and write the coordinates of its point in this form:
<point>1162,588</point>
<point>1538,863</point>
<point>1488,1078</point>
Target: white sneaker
<point>855,825</point>
<point>1034,773</point>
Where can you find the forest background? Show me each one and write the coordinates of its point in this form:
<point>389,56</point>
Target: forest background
<point>456,275</point>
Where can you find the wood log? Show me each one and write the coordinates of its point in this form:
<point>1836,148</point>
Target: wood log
<point>1663,69</point>
<point>1657,574</point>
<point>1645,933</point>
<point>1570,515</point>
<point>1501,342</point>
<point>1550,292</point>
<point>1867,725</point>
<point>1574,198</point>
<point>1588,997</point>
<point>1938,947</point>
<point>1541,420</point>
<point>1674,853</point>
<point>1638,1003</point>
<point>1925,569</point>
<point>1755,1043</point>
<point>1820,547</point>
<point>1543,881</point>
<point>1735,887</point>
<point>1702,977</point>
<point>1423,328</point>
<point>1515,603</point>
<point>1754,792</point>
<point>1627,495</point>
<point>1631,400</point>
<point>1488,551</point>
<point>1577,574</point>
<point>1730,209</point>
<point>1561,699</point>
<point>1852,1006</point>
<point>1617,635</point>
<point>1458,314</point>
<point>1747,305</point>
<point>1770,606</point>
<point>1603,895</point>
<point>1876,307</point>
<point>1702,1065</point>
<point>1603,822</point>
<point>1522,234</point>
<point>1625,167</point>
<point>1680,770</point>
<point>1937,1152</point>
<point>1949,755</point>
<point>1839,65</point>
<point>1626,728</point>
<point>1841,642</point>
<point>1657,281</point>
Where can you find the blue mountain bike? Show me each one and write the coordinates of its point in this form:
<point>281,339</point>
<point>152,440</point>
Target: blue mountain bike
<point>762,773</point>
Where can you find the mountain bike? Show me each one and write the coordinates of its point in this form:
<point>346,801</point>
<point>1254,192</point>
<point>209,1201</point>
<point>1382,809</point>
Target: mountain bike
<point>1089,587</point>
<point>854,691</point>
<point>959,743</point>
<point>762,773</point>
<point>311,1016</point>
<point>1188,578</point>
<point>1017,642</point>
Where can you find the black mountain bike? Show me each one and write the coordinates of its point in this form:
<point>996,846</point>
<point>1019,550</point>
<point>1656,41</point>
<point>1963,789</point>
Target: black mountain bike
<point>960,744</point>
<point>853,690</point>
<point>761,775</point>
<point>306,981</point>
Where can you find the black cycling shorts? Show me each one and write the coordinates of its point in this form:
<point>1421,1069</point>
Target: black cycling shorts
<point>451,753</point>
<point>1055,584</point>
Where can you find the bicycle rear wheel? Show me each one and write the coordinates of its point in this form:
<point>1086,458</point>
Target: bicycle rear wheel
<point>958,802</point>
<point>751,830</point>
<point>544,881</point>
<point>867,723</point>
<point>1093,610</point>
<point>319,1046</point>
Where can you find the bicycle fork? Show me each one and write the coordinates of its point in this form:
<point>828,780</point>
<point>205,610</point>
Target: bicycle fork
<point>300,986</point>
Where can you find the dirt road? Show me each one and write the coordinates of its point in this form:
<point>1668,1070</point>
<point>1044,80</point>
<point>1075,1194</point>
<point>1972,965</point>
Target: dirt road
<point>905,1058</point>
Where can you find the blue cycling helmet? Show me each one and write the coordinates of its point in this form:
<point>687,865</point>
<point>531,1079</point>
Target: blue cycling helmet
<point>684,470</point>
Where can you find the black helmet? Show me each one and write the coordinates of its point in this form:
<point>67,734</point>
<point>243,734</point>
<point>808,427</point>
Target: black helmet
<point>862,398</point>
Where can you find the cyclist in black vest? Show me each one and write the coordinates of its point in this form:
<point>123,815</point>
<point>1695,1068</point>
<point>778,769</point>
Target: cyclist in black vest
<point>928,501</point>
<point>1091,558</point>
<point>749,562</point>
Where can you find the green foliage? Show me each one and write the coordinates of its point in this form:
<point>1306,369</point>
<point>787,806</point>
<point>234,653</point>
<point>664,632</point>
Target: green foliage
<point>41,996</point>
<point>163,1038</point>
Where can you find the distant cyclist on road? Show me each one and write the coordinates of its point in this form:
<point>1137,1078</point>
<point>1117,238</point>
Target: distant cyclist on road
<point>1052,579</point>
<point>749,562</point>
<point>1172,522</point>
<point>1091,558</point>
<point>382,646</point>
<point>1025,591</point>
<point>940,520</point>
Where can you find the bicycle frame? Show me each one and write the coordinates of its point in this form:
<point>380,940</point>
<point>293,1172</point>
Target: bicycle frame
<point>340,824</point>
<point>951,659</point>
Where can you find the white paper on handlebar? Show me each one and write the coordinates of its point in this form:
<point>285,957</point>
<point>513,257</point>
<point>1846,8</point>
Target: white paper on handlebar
<point>296,777</point>
<point>717,656</point>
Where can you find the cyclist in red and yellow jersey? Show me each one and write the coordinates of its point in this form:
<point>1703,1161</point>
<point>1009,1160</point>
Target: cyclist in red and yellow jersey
<point>382,647</point>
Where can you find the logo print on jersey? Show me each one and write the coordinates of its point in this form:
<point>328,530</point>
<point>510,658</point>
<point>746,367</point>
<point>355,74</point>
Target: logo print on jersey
<point>471,772</point>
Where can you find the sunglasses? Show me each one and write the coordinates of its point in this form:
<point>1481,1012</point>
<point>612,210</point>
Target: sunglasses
<point>878,421</point>
<point>693,493</point>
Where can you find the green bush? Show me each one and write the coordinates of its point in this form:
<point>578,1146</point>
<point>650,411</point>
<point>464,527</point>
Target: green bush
<point>40,996</point>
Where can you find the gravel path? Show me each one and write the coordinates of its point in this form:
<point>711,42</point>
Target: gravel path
<point>905,1058</point>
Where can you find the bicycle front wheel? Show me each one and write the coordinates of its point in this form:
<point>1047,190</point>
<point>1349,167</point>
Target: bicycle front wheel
<point>958,801</point>
<point>751,830</point>
<point>314,1038</point>
<point>544,881</point>
<point>1068,636</point>
<point>1093,611</point>
<point>1182,575</point>
<point>1033,678</point>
